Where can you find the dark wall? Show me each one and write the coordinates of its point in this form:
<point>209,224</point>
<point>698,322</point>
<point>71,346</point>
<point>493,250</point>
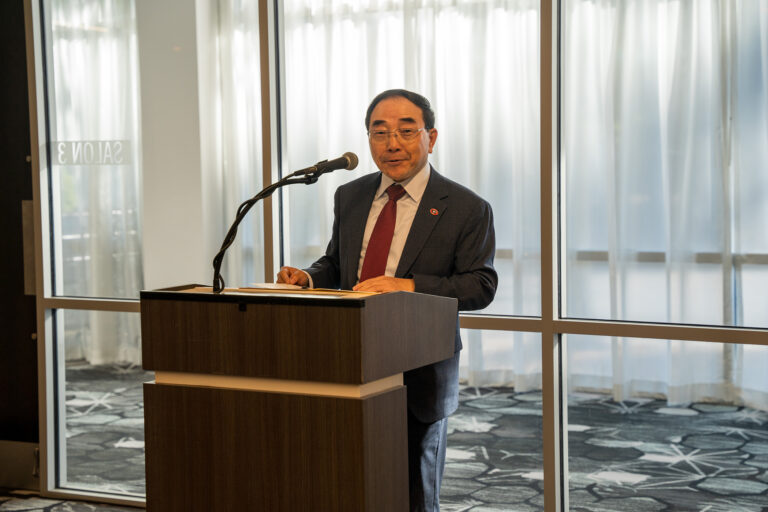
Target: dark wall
<point>18,351</point>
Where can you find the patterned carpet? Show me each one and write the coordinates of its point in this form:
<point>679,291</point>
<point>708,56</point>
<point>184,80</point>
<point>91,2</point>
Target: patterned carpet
<point>624,456</point>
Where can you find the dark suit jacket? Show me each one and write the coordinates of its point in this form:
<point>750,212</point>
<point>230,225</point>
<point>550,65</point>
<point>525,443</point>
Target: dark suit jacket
<point>449,251</point>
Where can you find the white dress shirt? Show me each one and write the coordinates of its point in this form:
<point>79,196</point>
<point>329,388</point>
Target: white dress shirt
<point>406,211</point>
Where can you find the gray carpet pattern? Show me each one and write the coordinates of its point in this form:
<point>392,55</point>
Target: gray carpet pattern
<point>639,455</point>
<point>623,456</point>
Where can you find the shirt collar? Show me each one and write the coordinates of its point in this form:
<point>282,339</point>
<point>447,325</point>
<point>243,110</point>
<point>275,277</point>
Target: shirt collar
<point>414,186</point>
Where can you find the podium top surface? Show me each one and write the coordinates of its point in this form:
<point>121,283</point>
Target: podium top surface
<point>256,295</point>
<point>317,335</point>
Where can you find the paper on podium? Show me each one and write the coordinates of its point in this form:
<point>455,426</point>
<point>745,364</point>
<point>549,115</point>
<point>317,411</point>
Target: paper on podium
<point>271,287</point>
<point>282,289</point>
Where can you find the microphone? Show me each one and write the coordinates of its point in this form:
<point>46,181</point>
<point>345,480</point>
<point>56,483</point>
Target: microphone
<point>346,161</point>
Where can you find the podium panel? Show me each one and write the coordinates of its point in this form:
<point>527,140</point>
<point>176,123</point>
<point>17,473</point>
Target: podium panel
<point>283,401</point>
<point>347,337</point>
<point>220,449</point>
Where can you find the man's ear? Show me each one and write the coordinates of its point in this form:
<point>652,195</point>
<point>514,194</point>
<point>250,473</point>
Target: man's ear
<point>432,138</point>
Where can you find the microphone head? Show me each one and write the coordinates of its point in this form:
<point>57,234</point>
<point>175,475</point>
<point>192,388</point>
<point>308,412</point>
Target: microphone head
<point>351,159</point>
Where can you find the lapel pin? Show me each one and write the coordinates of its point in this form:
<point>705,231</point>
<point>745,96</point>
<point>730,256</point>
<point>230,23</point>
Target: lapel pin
<point>433,211</point>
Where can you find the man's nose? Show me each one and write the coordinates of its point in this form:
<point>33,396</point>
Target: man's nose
<point>393,141</point>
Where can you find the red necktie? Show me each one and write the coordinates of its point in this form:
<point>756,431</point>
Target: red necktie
<point>375,262</point>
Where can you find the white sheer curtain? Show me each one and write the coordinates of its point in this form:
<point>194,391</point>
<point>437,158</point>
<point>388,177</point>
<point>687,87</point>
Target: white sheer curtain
<point>92,79</point>
<point>477,62</point>
<point>236,95</point>
<point>666,147</point>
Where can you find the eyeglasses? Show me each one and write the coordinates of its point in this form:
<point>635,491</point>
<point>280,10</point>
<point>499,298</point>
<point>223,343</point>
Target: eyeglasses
<point>381,136</point>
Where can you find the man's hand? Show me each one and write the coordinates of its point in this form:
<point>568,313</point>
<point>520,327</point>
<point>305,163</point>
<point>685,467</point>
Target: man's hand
<point>292,275</point>
<point>385,284</point>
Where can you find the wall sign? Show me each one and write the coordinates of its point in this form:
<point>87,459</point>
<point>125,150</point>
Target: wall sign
<point>91,152</point>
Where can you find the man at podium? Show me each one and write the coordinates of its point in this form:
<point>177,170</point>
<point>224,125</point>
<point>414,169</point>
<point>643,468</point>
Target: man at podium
<point>408,228</point>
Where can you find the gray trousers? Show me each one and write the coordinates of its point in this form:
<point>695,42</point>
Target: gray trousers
<point>426,462</point>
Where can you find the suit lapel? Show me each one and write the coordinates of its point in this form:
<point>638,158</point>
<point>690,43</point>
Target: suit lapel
<point>353,227</point>
<point>432,206</point>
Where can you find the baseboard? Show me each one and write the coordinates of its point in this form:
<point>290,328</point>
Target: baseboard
<point>19,465</point>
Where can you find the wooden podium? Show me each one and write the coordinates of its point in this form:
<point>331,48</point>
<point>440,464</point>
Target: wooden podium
<point>283,400</point>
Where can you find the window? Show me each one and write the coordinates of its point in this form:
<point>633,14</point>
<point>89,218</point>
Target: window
<point>94,148</point>
<point>664,129</point>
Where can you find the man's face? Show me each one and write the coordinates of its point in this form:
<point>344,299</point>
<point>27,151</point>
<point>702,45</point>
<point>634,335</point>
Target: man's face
<point>397,158</point>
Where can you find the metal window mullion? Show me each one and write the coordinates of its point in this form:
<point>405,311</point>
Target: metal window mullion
<point>554,441</point>
<point>664,331</point>
<point>35,86</point>
<point>83,495</point>
<point>660,331</point>
<point>267,63</point>
<point>91,304</point>
<point>500,323</point>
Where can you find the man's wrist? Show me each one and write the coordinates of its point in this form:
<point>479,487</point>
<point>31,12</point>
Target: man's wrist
<point>310,283</point>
